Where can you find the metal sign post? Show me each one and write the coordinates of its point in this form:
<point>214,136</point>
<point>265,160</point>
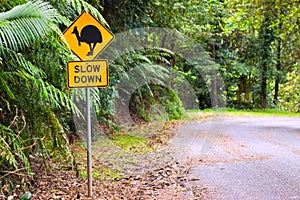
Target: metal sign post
<point>89,72</point>
<point>89,141</point>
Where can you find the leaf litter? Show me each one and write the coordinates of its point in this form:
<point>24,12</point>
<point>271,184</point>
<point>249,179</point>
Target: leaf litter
<point>167,182</point>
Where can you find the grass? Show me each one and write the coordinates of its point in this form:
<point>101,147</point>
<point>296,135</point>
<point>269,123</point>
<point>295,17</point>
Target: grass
<point>132,143</point>
<point>234,112</point>
<point>263,112</point>
<point>125,142</point>
<point>100,173</point>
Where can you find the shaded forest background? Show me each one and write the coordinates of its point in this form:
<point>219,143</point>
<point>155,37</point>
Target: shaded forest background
<point>255,46</point>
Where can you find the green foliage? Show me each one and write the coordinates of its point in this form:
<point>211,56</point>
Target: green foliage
<point>32,74</point>
<point>145,74</point>
<point>26,196</point>
<point>70,9</point>
<point>131,143</point>
<point>262,35</point>
<point>13,150</point>
<point>157,103</point>
<point>26,23</point>
<point>125,15</point>
<point>254,44</point>
<point>7,5</point>
<point>290,93</point>
<point>30,100</point>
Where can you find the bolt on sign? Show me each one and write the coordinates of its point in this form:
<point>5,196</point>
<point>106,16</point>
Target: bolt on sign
<point>87,37</point>
<point>87,74</point>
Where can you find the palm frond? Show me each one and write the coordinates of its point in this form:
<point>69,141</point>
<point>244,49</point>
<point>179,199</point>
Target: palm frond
<point>159,54</point>
<point>4,84</point>
<point>19,63</point>
<point>58,99</point>
<point>138,58</point>
<point>37,9</point>
<point>22,25</point>
<point>25,70</point>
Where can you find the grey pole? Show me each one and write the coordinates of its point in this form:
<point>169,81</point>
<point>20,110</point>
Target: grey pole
<point>89,141</point>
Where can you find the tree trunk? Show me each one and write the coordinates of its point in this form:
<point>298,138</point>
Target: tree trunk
<point>214,89</point>
<point>266,37</point>
<point>263,88</point>
<point>276,91</point>
<point>214,83</point>
<point>247,89</point>
<point>239,94</point>
<point>278,66</point>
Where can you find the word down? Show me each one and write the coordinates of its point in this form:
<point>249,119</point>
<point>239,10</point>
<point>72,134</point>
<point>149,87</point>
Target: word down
<point>87,74</point>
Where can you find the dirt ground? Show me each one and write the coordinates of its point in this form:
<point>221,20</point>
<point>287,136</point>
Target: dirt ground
<point>167,181</point>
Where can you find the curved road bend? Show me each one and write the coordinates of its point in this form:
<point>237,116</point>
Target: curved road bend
<point>253,158</point>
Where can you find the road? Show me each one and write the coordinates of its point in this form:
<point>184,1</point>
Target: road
<point>253,158</point>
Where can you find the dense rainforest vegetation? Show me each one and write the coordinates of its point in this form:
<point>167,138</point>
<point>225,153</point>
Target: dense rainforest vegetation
<point>252,46</point>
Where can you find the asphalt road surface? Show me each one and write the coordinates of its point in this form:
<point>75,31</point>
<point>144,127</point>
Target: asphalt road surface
<point>253,158</point>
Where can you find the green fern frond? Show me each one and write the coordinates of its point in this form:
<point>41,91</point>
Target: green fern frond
<point>162,50</point>
<point>159,54</point>
<point>10,145</point>
<point>19,63</point>
<point>58,98</point>
<point>138,58</point>
<point>24,24</point>
<point>5,88</point>
<point>35,9</point>
<point>156,74</point>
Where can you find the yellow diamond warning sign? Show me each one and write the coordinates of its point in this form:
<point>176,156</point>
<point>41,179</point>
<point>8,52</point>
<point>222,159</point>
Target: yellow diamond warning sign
<point>87,74</point>
<point>87,37</point>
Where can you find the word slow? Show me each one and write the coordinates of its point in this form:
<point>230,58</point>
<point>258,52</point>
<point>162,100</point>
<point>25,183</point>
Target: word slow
<point>87,74</point>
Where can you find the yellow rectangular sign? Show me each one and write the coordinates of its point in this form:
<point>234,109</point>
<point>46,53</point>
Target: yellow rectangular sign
<point>92,73</point>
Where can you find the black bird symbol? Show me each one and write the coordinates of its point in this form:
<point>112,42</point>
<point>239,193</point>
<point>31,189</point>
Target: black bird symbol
<point>89,34</point>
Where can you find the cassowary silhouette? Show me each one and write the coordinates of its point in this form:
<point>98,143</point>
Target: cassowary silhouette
<point>89,34</point>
